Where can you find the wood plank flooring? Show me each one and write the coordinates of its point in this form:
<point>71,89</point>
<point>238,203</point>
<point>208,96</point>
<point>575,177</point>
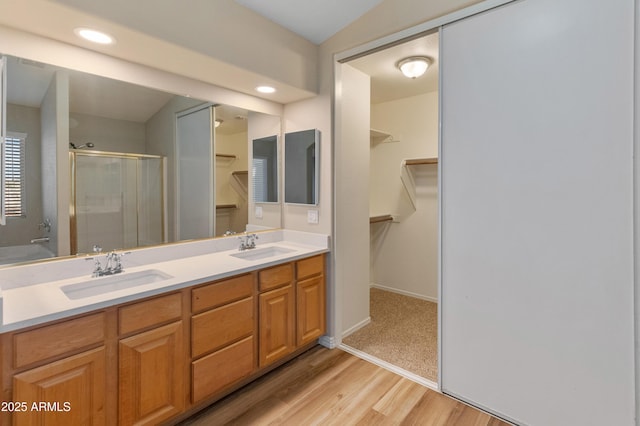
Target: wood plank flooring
<point>332,387</point>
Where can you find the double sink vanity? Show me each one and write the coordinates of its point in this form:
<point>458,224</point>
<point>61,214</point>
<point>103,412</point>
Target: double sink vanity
<point>180,327</point>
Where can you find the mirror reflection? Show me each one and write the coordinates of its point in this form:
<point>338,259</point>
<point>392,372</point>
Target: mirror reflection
<point>264,170</point>
<point>119,166</point>
<point>301,156</point>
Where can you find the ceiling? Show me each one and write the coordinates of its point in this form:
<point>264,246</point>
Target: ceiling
<point>312,19</point>
<point>387,82</point>
<point>319,20</point>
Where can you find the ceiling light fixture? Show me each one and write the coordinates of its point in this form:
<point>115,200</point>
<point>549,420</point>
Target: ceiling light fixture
<point>94,36</point>
<point>218,122</point>
<point>265,89</point>
<point>414,66</point>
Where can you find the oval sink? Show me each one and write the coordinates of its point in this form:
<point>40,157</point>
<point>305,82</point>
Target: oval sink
<point>102,285</point>
<point>262,253</point>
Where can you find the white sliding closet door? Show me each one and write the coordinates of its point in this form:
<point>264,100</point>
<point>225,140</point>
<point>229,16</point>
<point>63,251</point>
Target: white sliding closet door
<point>196,209</point>
<point>537,211</point>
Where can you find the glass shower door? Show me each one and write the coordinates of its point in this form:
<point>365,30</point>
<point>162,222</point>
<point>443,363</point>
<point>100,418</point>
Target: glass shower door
<point>105,202</point>
<point>150,201</point>
<point>118,201</point>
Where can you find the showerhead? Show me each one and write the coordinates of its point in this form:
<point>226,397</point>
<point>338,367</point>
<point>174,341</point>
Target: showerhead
<point>85,145</point>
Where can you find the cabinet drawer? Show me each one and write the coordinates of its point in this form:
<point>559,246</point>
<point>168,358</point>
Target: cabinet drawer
<point>222,368</point>
<point>57,339</point>
<point>221,292</point>
<point>150,312</point>
<point>213,329</point>
<point>311,266</point>
<point>276,277</point>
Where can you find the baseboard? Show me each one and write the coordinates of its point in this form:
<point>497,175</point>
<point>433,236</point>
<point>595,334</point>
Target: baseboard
<point>356,327</point>
<point>388,366</point>
<point>328,342</point>
<point>404,293</point>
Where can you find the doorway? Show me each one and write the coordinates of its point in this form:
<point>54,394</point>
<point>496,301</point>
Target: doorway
<point>401,333</point>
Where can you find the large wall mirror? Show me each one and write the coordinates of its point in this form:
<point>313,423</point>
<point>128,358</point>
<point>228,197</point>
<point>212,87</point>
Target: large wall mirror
<point>113,164</point>
<point>301,153</point>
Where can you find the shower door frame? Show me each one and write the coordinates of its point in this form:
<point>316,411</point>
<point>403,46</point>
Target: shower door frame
<point>73,153</point>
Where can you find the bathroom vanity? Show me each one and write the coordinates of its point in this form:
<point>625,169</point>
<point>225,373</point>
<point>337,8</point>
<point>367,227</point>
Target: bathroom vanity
<point>159,351</point>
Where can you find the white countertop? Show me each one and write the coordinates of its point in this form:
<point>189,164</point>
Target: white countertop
<point>28,305</point>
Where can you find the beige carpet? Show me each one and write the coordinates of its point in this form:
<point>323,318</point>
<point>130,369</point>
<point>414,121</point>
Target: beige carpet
<point>403,331</point>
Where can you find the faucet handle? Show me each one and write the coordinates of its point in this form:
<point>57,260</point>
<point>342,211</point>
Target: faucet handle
<point>97,248</point>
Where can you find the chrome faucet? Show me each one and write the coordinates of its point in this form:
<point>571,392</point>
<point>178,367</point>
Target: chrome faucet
<point>247,241</point>
<point>113,263</point>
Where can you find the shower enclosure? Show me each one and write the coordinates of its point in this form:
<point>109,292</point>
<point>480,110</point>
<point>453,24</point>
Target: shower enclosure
<point>117,200</point>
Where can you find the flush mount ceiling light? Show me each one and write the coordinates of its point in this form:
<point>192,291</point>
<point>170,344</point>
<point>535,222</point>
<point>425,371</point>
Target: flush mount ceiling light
<point>94,36</point>
<point>414,66</point>
<point>265,89</point>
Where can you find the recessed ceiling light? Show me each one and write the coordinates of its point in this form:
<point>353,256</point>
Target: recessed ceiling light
<point>265,89</point>
<point>94,36</point>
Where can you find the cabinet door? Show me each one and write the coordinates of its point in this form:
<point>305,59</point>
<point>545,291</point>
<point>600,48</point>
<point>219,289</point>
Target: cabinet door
<point>151,375</point>
<point>277,324</point>
<point>70,391</point>
<point>310,310</point>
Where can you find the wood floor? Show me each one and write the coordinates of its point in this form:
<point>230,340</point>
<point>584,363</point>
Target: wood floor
<point>332,387</point>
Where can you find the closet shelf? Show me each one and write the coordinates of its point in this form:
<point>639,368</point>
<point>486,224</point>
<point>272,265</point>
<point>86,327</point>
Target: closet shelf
<point>226,156</point>
<point>226,206</point>
<point>420,161</point>
<point>408,170</point>
<point>381,218</point>
<point>379,136</point>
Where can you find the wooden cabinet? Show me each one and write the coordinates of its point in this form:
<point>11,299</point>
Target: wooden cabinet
<point>277,324</point>
<point>149,361</point>
<point>276,313</point>
<point>292,307</point>
<point>310,300</point>
<point>310,310</point>
<point>223,342</point>
<point>151,375</point>
<point>70,391</point>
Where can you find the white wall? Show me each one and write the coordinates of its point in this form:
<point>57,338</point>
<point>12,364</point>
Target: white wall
<point>404,255</point>
<point>351,255</point>
<point>260,126</point>
<point>20,230</point>
<point>55,162</point>
<point>107,134</point>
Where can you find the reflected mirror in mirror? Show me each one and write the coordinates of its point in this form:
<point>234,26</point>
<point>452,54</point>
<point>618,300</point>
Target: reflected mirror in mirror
<point>55,113</point>
<point>264,170</point>
<point>301,156</point>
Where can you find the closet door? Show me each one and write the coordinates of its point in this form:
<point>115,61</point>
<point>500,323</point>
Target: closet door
<point>537,211</point>
<point>195,168</point>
